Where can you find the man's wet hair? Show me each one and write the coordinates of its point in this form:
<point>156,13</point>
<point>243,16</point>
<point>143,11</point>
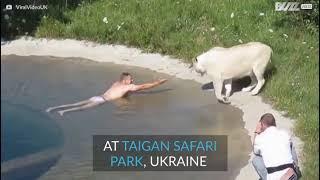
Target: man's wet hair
<point>268,120</point>
<point>123,75</point>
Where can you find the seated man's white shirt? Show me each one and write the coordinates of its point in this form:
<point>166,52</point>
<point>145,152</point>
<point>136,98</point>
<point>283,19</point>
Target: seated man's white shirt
<point>274,147</point>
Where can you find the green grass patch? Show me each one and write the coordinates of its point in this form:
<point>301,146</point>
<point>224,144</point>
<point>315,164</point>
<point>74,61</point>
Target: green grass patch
<point>187,28</point>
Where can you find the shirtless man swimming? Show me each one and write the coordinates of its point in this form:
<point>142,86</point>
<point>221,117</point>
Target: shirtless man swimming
<point>117,90</point>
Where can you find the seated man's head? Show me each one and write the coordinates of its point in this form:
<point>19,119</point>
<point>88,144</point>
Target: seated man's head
<point>126,78</point>
<point>266,121</point>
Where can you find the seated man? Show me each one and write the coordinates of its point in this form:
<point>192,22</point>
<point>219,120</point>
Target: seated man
<point>117,90</point>
<point>275,155</point>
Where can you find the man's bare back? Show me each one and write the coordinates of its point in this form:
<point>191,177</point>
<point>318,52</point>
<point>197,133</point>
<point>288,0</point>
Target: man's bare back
<point>117,90</point>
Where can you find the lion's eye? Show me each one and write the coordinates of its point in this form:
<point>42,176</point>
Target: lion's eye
<point>196,60</point>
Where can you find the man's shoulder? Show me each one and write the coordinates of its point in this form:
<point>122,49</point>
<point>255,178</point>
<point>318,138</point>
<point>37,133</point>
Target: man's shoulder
<point>284,132</point>
<point>280,132</point>
<point>132,87</point>
<point>119,84</point>
<point>116,83</point>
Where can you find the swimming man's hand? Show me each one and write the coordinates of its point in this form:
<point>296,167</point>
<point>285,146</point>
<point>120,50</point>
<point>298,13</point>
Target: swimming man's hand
<point>161,81</point>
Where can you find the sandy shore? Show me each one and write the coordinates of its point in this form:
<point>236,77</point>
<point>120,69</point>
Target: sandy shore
<point>252,106</point>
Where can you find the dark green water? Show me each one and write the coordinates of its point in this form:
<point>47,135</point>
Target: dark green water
<point>25,131</point>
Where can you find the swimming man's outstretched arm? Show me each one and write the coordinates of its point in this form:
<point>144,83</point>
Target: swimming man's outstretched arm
<point>148,85</point>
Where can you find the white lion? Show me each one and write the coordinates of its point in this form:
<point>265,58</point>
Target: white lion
<point>226,64</point>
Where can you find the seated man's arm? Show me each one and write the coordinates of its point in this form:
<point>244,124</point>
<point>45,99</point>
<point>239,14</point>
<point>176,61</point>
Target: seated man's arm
<point>256,144</point>
<point>256,140</point>
<point>147,85</point>
<point>293,151</point>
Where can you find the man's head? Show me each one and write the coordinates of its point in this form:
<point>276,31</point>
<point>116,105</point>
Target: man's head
<point>126,78</point>
<point>266,121</point>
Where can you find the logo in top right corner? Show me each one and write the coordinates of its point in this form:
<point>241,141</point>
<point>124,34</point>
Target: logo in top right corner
<point>292,6</point>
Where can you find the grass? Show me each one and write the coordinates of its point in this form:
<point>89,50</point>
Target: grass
<point>187,28</point>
